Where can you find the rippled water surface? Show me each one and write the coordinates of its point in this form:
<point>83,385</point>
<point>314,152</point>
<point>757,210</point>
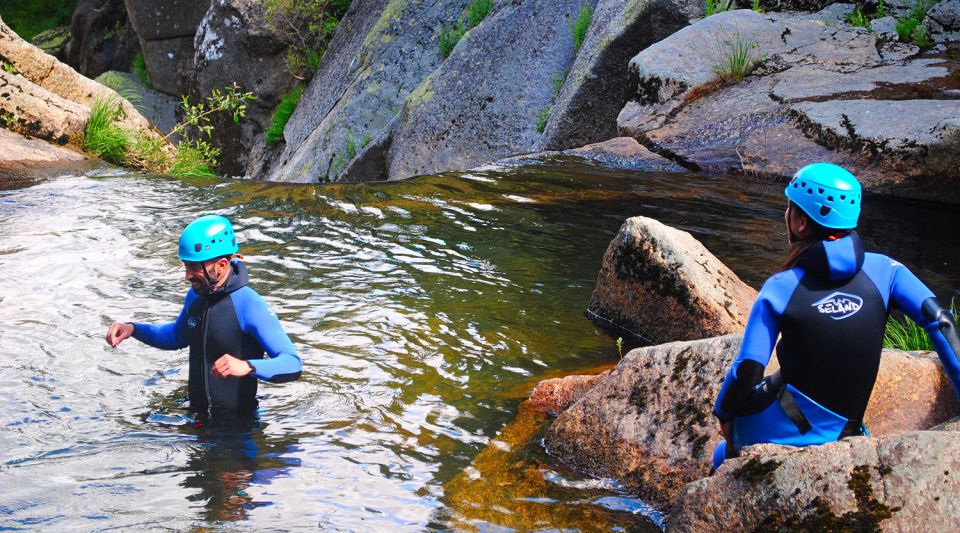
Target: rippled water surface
<point>425,311</point>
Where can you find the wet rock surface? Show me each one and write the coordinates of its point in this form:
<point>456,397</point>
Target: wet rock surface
<point>557,394</point>
<point>619,152</point>
<point>662,285</point>
<point>899,483</point>
<point>24,160</point>
<point>821,92</point>
<point>650,422</point>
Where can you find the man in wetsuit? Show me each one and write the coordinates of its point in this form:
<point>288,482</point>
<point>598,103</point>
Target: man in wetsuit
<point>226,324</point>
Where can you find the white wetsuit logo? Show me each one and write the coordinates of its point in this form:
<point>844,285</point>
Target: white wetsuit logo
<point>839,305</point>
<point>192,322</point>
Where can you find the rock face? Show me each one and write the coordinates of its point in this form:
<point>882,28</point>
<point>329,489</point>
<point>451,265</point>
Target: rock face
<point>233,45</point>
<point>649,423</point>
<point>102,38</point>
<point>166,29</point>
<point>24,160</point>
<point>821,93</point>
<point>943,21</point>
<point>662,285</point>
<point>48,99</point>
<point>596,86</point>
<point>385,83</point>
<point>907,482</point>
<point>557,394</point>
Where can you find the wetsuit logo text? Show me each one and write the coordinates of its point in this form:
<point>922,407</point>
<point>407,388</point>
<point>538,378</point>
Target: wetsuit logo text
<point>192,322</point>
<point>839,305</point>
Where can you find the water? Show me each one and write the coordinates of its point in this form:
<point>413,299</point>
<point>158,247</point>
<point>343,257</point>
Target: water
<point>425,312</point>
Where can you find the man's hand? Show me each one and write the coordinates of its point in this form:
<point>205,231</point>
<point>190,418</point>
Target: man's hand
<point>727,429</point>
<point>118,332</point>
<point>229,365</point>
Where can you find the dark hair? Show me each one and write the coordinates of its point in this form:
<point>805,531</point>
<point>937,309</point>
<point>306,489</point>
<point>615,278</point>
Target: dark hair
<point>820,233</point>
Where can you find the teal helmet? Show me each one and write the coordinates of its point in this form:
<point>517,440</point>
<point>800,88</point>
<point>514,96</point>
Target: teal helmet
<point>206,238</point>
<point>828,194</point>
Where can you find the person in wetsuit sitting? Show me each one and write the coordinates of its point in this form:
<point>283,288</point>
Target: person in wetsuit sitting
<point>226,324</point>
<point>829,305</point>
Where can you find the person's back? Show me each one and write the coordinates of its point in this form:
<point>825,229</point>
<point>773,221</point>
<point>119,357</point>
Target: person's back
<point>829,306</point>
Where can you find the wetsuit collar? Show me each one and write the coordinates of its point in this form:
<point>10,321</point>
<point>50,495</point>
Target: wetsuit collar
<point>237,279</point>
<point>834,260</point>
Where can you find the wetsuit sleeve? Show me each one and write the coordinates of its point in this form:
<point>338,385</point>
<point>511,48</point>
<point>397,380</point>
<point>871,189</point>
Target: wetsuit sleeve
<point>908,293</point>
<point>258,320</point>
<point>759,339</point>
<point>169,336</point>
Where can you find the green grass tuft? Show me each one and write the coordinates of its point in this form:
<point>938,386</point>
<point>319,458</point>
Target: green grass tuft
<point>140,70</point>
<point>580,25</point>
<point>755,6</point>
<point>910,29</point>
<point>351,148</point>
<point>712,7</point>
<point>337,166</point>
<point>739,59</point>
<point>365,140</point>
<point>105,138</point>
<point>449,37</point>
<point>908,336</point>
<point>542,117</point>
<point>283,112</point>
<point>477,11</point>
<point>194,160</point>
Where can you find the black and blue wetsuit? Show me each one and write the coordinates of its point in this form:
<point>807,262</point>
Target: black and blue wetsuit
<point>233,320</point>
<point>830,312</point>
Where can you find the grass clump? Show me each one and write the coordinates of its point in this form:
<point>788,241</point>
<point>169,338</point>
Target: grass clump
<point>739,59</point>
<point>712,7</point>
<point>580,25</point>
<point>544,114</point>
<point>542,117</point>
<point>283,112</point>
<point>476,11</point>
<point>105,138</point>
<point>861,19</point>
<point>755,6</point>
<point>906,335</point>
<point>365,140</point>
<point>31,18</point>
<point>910,29</point>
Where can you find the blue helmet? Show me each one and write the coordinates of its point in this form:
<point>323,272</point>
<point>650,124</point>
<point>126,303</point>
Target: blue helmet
<point>207,237</point>
<point>828,194</point>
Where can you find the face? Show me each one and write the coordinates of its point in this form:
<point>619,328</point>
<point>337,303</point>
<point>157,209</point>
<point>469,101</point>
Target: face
<point>194,273</point>
<point>796,222</point>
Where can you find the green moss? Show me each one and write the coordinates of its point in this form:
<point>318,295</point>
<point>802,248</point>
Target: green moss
<point>140,69</point>
<point>423,93</point>
<point>392,12</point>
<point>756,471</point>
<point>282,113</point>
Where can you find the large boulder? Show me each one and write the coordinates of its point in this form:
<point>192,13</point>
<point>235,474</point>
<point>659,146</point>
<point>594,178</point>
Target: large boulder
<point>24,160</point>
<point>823,91</point>
<point>101,38</point>
<point>47,99</point>
<point>381,52</point>
<point>235,45</point>
<point>555,395</point>
<point>649,423</point>
<point>166,29</point>
<point>662,285</point>
<point>907,482</point>
<point>943,22</point>
<point>595,89</point>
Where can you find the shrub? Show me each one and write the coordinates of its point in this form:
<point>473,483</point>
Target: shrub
<point>739,59</point>
<point>306,27</point>
<point>105,138</point>
<point>910,30</point>
<point>580,25</point>
<point>281,115</point>
<point>449,37</point>
<point>194,159</point>
<point>908,336</point>
<point>712,7</point>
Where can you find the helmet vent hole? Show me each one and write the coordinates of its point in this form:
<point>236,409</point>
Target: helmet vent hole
<point>809,191</point>
<point>820,191</point>
<point>852,202</point>
<point>824,210</point>
<point>829,198</point>
<point>196,247</point>
<point>803,184</point>
<point>843,196</point>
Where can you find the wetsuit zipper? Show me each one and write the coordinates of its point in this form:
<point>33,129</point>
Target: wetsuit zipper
<point>203,351</point>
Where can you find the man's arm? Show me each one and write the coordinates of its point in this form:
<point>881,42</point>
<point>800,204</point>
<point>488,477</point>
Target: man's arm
<point>257,319</point>
<point>169,336</point>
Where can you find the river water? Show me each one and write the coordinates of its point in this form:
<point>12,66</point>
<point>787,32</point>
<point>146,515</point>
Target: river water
<point>425,312</point>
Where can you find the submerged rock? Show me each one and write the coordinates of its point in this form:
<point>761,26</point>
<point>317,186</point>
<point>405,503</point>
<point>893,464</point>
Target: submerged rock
<point>662,285</point>
<point>650,422</point>
<point>906,482</point>
<point>821,92</point>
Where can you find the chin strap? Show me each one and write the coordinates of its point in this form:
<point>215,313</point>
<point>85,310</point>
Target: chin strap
<point>934,312</point>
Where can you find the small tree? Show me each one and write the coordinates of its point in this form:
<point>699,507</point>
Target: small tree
<point>306,26</point>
